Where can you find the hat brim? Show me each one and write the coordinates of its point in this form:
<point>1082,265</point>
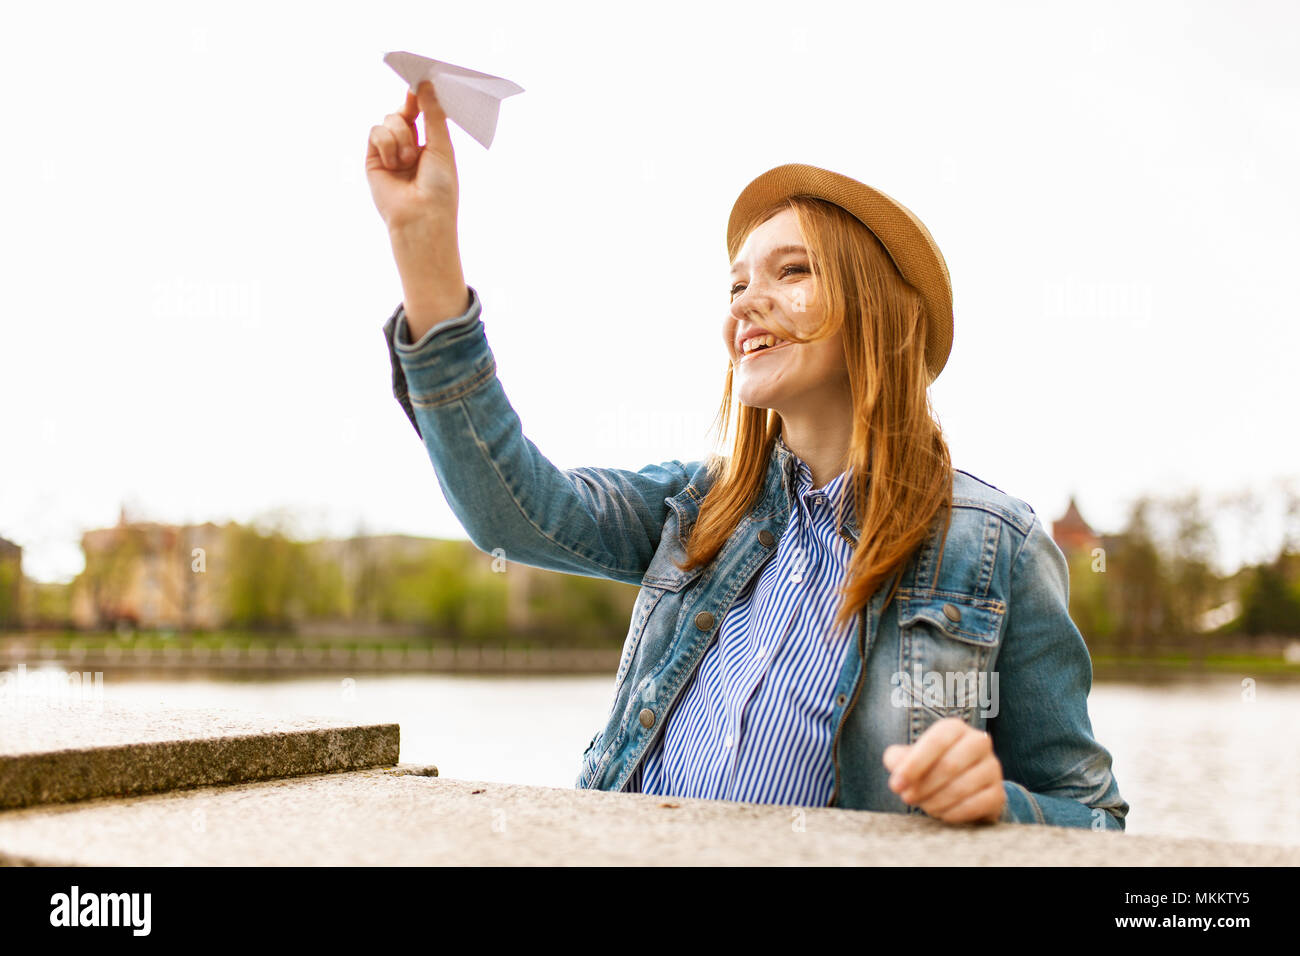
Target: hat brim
<point>903,235</point>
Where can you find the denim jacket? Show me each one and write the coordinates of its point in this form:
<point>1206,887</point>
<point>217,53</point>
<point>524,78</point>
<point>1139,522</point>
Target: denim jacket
<point>984,635</point>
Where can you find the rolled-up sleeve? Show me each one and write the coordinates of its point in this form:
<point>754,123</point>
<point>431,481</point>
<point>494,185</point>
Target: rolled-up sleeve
<point>398,336</point>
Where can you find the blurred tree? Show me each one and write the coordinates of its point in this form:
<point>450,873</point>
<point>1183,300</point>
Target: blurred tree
<point>1270,601</point>
<point>1290,517</point>
<point>265,578</point>
<point>47,604</point>
<point>1139,591</point>
<point>582,611</point>
<point>1090,606</point>
<point>1192,586</point>
<point>323,592</point>
<point>11,582</point>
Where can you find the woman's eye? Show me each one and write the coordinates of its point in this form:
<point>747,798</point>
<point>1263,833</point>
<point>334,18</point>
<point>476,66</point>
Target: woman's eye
<point>784,269</point>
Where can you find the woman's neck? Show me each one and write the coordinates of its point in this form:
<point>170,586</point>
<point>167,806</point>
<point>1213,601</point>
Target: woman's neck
<point>821,442</point>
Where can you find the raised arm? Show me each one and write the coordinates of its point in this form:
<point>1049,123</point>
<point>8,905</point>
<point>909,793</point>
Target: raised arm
<point>599,522</point>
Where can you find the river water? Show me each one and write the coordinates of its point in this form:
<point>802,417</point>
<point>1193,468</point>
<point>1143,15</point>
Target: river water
<point>1194,759</point>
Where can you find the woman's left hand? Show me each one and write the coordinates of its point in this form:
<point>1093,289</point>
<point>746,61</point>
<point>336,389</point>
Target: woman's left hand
<point>951,772</point>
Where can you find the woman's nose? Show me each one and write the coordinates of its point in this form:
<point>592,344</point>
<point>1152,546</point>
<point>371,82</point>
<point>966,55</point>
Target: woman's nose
<point>752,299</point>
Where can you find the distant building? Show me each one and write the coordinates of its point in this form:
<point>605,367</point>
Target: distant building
<point>148,575</point>
<point>1072,533</point>
<point>152,576</point>
<point>1075,536</point>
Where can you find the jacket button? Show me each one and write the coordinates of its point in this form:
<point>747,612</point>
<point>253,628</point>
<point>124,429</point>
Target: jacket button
<point>951,613</point>
<point>647,717</point>
<point>704,620</point>
<point>766,538</point>
<point>841,700</point>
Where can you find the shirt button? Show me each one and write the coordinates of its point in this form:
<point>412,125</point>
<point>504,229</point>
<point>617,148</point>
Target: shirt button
<point>951,613</point>
<point>647,717</point>
<point>762,652</point>
<point>766,538</point>
<point>704,620</point>
<point>727,741</point>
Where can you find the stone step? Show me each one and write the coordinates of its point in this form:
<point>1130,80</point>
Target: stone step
<point>55,752</point>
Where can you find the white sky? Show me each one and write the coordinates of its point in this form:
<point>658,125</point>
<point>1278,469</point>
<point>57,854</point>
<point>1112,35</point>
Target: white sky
<point>196,279</point>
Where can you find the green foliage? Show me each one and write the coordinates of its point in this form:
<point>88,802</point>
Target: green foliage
<point>10,582</point>
<point>1159,581</point>
<point>323,594</point>
<point>1270,601</point>
<point>266,576</point>
<point>1090,606</point>
<point>590,612</point>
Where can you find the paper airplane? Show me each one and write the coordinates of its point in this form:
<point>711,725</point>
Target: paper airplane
<point>470,98</point>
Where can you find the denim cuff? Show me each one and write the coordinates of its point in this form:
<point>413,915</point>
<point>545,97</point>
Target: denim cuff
<point>402,332</point>
<point>402,351</point>
<point>1021,807</point>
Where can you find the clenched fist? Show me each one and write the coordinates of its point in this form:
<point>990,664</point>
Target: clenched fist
<point>951,773</point>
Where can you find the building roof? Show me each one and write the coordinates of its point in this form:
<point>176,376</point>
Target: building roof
<point>1072,522</point>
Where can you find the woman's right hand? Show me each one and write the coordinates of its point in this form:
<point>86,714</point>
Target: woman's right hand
<point>417,194</point>
<point>413,185</point>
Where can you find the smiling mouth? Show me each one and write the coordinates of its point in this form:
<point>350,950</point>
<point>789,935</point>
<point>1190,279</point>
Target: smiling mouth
<point>771,348</point>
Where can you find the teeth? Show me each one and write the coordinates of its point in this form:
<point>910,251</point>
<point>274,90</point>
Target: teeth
<point>758,340</point>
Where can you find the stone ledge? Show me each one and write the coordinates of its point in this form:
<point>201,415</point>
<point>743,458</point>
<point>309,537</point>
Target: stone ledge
<point>52,753</point>
<point>402,816</point>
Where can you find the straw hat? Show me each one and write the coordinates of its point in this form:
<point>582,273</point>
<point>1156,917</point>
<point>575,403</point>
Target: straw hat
<point>905,237</point>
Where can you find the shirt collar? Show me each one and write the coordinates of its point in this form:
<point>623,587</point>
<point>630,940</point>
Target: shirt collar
<point>801,484</point>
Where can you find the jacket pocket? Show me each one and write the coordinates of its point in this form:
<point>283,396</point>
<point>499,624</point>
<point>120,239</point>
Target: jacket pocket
<point>946,642</point>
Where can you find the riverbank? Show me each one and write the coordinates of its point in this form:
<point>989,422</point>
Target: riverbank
<point>159,656</point>
<point>155,653</point>
<point>1170,667</point>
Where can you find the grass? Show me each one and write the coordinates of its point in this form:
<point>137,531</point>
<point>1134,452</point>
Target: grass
<point>245,641</point>
<point>1219,663</point>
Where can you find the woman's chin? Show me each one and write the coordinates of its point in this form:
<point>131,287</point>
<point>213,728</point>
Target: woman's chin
<point>755,396</point>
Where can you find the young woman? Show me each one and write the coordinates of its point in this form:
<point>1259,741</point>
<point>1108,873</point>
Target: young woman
<point>919,660</point>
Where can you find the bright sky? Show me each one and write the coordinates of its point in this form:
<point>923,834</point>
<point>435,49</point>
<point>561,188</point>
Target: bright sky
<point>196,279</point>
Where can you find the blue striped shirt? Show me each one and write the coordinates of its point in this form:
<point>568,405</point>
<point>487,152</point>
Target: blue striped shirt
<point>754,722</point>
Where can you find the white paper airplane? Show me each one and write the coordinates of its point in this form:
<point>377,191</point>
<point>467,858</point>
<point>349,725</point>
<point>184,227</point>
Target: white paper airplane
<point>470,98</point>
